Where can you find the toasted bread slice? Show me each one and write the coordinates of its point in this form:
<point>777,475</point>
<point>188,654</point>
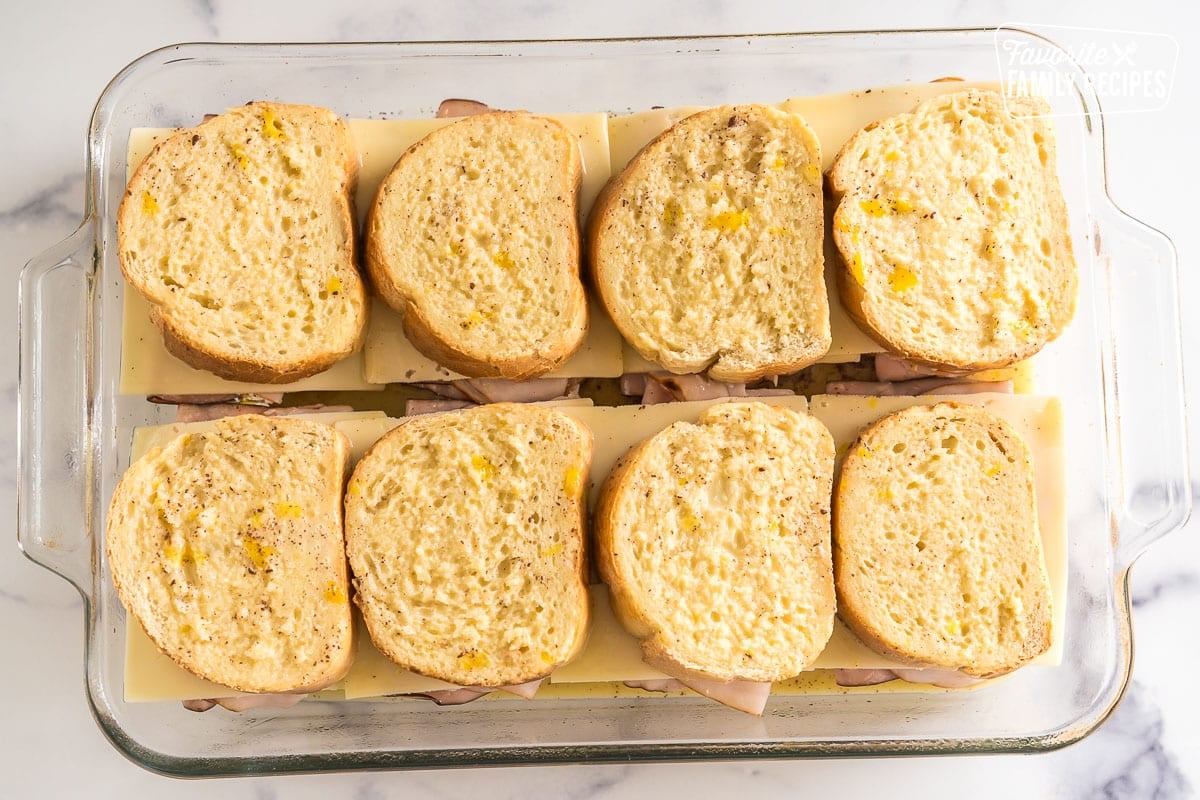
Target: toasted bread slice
<point>707,248</point>
<point>240,233</point>
<point>465,533</point>
<point>714,540</point>
<point>936,551</point>
<point>227,547</point>
<point>953,231</point>
<point>473,236</point>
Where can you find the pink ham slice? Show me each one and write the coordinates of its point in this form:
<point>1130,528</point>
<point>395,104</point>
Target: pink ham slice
<point>459,107</point>
<point>748,696</point>
<point>946,386</point>
<point>770,391</point>
<point>446,390</point>
<point>416,407</point>
<point>526,690</point>
<point>945,678</point>
<point>697,387</point>
<point>452,697</point>
<point>657,685</point>
<point>633,384</point>
<point>656,393</point>
<point>269,399</point>
<point>465,694</point>
<point>974,387</point>
<point>499,390</point>
<point>862,677</point>
<point>191,413</point>
<point>891,368</point>
<point>245,702</point>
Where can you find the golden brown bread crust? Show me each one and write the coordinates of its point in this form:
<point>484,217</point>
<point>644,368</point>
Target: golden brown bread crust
<point>609,199</point>
<point>455,355</point>
<point>632,533</point>
<point>876,320</point>
<point>860,554</point>
<point>131,492</point>
<point>378,602</point>
<point>229,365</point>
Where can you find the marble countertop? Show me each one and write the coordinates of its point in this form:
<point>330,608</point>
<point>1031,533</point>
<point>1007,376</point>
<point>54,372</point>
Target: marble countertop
<point>57,57</point>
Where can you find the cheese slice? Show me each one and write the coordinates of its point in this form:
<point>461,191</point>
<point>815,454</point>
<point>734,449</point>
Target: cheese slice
<point>389,357</point>
<point>834,119</point>
<point>151,675</point>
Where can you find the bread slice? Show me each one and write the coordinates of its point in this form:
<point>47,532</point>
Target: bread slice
<point>474,238</point>
<point>240,233</point>
<point>953,231</point>
<point>936,551</point>
<point>707,248</point>
<point>465,533</point>
<point>713,538</point>
<point>227,547</point>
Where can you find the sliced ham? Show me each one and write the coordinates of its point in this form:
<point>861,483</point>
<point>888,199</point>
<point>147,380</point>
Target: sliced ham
<point>194,413</point>
<point>316,408</point>
<point>974,387</point>
<point>452,697</point>
<point>446,390</point>
<point>945,678</point>
<point>656,393</point>
<point>416,407</point>
<point>769,391</point>
<point>500,390</point>
<point>697,387</point>
<point>657,685</point>
<point>526,690</point>
<point>891,368</point>
<point>748,696</point>
<point>187,412</point>
<point>862,677</point>
<point>633,384</point>
<point>269,399</point>
<point>867,388</point>
<point>245,702</point>
<point>459,107</point>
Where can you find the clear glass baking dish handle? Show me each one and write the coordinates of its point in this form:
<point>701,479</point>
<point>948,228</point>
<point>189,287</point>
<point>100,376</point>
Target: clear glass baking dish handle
<point>52,408</point>
<point>1148,393</point>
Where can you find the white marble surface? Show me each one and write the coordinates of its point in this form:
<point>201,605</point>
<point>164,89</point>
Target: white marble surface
<point>56,58</point>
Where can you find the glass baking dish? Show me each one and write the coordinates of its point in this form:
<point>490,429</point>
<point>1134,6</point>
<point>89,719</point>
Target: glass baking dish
<point>1118,368</point>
